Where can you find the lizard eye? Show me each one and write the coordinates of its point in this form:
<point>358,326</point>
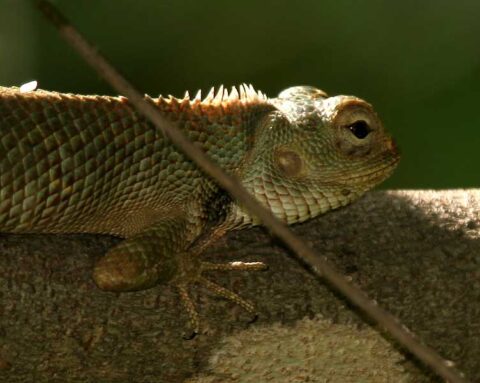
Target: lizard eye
<point>360,129</point>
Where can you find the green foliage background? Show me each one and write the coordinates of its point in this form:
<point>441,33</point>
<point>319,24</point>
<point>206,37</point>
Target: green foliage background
<point>416,61</point>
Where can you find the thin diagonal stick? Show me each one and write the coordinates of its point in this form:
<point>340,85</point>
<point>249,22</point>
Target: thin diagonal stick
<point>319,265</point>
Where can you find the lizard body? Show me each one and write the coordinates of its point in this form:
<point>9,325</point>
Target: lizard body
<point>92,164</point>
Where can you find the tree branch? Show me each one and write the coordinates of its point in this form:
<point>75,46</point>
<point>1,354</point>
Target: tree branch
<point>415,252</point>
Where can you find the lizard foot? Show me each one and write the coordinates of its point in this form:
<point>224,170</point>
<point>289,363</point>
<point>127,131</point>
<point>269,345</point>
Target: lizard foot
<point>183,283</point>
<point>145,261</point>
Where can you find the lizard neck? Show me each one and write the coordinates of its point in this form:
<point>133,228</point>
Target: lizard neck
<point>288,204</point>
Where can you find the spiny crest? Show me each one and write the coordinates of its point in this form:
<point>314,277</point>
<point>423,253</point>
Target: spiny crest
<point>244,94</point>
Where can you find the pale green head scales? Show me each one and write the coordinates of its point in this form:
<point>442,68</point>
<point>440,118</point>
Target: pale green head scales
<point>315,153</point>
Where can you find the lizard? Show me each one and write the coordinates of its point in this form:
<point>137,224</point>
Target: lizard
<point>74,163</point>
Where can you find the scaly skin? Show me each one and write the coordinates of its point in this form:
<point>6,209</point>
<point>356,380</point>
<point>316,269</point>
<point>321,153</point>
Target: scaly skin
<point>92,164</point>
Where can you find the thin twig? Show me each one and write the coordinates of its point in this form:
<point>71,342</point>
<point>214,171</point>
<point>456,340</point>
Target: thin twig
<point>318,264</point>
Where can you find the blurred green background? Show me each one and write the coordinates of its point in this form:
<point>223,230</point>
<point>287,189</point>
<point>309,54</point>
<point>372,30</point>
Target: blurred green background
<point>416,61</point>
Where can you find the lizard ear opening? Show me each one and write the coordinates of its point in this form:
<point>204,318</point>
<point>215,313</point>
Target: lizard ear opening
<point>288,162</point>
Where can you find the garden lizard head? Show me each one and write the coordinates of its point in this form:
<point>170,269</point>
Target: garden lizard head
<point>313,153</point>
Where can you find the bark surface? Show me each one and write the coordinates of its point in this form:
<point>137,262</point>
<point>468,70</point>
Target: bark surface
<point>416,252</point>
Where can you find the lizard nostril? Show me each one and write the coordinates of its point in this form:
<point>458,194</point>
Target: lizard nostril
<point>392,145</point>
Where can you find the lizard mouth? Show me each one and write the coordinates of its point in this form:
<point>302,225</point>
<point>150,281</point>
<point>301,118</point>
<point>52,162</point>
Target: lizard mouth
<point>378,175</point>
<point>387,161</point>
<point>381,166</point>
<point>368,179</point>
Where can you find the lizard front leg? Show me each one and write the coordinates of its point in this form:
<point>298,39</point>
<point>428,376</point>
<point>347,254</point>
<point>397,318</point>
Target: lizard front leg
<point>167,252</point>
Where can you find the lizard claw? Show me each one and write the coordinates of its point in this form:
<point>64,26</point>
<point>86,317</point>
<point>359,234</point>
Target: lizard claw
<point>191,311</point>
<point>227,294</point>
<point>189,335</point>
<point>218,290</point>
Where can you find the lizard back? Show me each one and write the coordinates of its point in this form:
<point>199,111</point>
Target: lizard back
<point>71,163</point>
